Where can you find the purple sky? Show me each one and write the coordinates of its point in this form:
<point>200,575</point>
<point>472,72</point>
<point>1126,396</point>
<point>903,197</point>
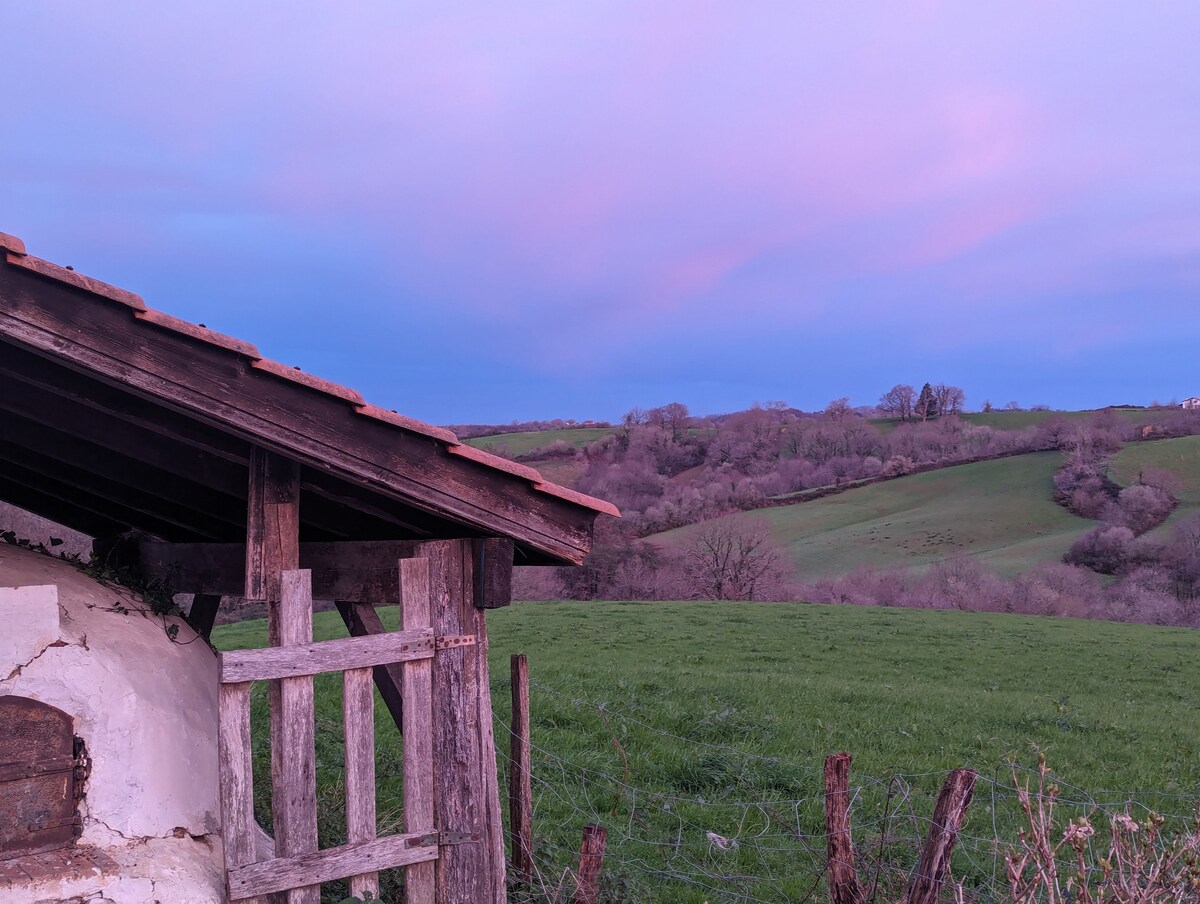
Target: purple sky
<point>521,210</point>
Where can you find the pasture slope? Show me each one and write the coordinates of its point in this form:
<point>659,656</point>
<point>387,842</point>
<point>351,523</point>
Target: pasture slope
<point>668,721</point>
<point>1180,456</point>
<point>514,444</point>
<point>1000,512</point>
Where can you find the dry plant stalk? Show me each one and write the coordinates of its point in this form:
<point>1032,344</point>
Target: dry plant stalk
<point>1143,865</point>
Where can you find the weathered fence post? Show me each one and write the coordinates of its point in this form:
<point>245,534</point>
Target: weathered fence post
<point>948,814</point>
<point>591,858</point>
<point>466,784</point>
<point>842,875</point>
<point>520,782</point>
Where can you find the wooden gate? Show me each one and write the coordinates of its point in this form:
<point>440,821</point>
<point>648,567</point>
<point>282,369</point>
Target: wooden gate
<point>298,866</point>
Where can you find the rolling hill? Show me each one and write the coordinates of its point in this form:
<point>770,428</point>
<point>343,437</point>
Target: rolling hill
<point>998,511</point>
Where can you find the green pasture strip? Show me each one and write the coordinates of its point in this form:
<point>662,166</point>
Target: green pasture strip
<point>1001,511</point>
<point>524,443</point>
<point>669,721</point>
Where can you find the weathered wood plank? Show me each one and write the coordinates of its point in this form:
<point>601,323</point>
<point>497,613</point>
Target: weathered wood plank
<point>842,874</point>
<point>363,571</point>
<point>272,524</point>
<point>358,723</point>
<point>271,663</point>
<point>362,620</point>
<point>464,755</point>
<point>520,781</point>
<point>294,768</point>
<point>493,573</point>
<point>237,777</point>
<point>332,863</point>
<point>417,725</point>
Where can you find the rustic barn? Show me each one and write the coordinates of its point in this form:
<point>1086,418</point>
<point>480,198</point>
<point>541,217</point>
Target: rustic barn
<point>194,460</point>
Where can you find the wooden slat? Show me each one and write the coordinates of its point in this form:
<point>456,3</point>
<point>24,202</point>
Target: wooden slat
<point>237,777</point>
<point>417,728</point>
<point>328,865</point>
<point>294,769</point>
<point>270,663</point>
<point>362,620</point>
<point>464,755</point>
<point>358,722</point>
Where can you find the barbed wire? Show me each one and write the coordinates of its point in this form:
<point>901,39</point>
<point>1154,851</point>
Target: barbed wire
<point>740,845</point>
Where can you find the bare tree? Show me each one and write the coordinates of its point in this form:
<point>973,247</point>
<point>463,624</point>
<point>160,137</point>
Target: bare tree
<point>736,559</point>
<point>949,399</point>
<point>838,409</point>
<point>898,401</point>
<point>673,416</point>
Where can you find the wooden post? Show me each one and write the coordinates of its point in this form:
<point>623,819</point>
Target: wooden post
<point>591,858</point>
<point>358,722</point>
<point>272,547</point>
<point>520,782</point>
<point>416,682</point>
<point>203,614</point>
<point>294,756</point>
<point>464,754</point>
<point>842,875</point>
<point>948,814</point>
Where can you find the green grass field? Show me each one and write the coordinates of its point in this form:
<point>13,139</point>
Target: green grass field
<point>1180,456</point>
<point>1000,512</point>
<point>667,721</point>
<point>524,443</point>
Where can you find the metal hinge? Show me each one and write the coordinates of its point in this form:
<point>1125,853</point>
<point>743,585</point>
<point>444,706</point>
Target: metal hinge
<point>452,641</point>
<point>440,839</point>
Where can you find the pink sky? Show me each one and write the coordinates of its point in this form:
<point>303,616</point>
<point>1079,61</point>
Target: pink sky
<point>487,212</point>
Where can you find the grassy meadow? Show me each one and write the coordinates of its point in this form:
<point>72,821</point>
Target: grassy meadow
<point>523,443</point>
<point>1000,512</point>
<point>669,721</point>
<point>1180,456</point>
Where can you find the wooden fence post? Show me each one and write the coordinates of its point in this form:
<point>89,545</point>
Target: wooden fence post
<point>467,785</point>
<point>591,858</point>
<point>416,683</point>
<point>948,814</point>
<point>520,782</point>
<point>842,875</point>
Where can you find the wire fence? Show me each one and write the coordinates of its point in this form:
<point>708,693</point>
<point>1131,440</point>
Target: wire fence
<point>690,820</point>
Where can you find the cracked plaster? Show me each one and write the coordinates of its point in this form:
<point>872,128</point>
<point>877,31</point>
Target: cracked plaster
<point>146,709</point>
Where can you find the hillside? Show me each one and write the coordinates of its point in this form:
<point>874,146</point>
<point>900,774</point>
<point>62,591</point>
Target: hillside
<point>514,444</point>
<point>999,511</point>
<point>1180,456</point>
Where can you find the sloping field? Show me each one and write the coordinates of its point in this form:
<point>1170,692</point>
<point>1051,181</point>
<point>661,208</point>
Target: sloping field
<point>665,722</point>
<point>998,511</point>
<point>524,443</point>
<point>1180,456</point>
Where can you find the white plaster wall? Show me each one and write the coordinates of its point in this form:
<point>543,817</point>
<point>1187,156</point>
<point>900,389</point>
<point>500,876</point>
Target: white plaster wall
<point>146,707</point>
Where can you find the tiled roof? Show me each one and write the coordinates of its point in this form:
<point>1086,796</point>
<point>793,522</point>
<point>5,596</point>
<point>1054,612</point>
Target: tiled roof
<point>16,255</point>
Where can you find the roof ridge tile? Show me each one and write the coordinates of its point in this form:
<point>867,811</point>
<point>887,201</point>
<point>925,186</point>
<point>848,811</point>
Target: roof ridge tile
<point>366,409</point>
<point>11,243</point>
<point>78,280</point>
<point>195,331</point>
<point>296,375</point>
<point>495,461</point>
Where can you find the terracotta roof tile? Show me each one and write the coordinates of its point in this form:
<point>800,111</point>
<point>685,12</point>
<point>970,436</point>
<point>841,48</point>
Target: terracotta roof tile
<point>407,423</point>
<point>553,489</point>
<point>194,331</point>
<point>70,277</point>
<point>495,461</point>
<point>11,243</point>
<point>298,376</point>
